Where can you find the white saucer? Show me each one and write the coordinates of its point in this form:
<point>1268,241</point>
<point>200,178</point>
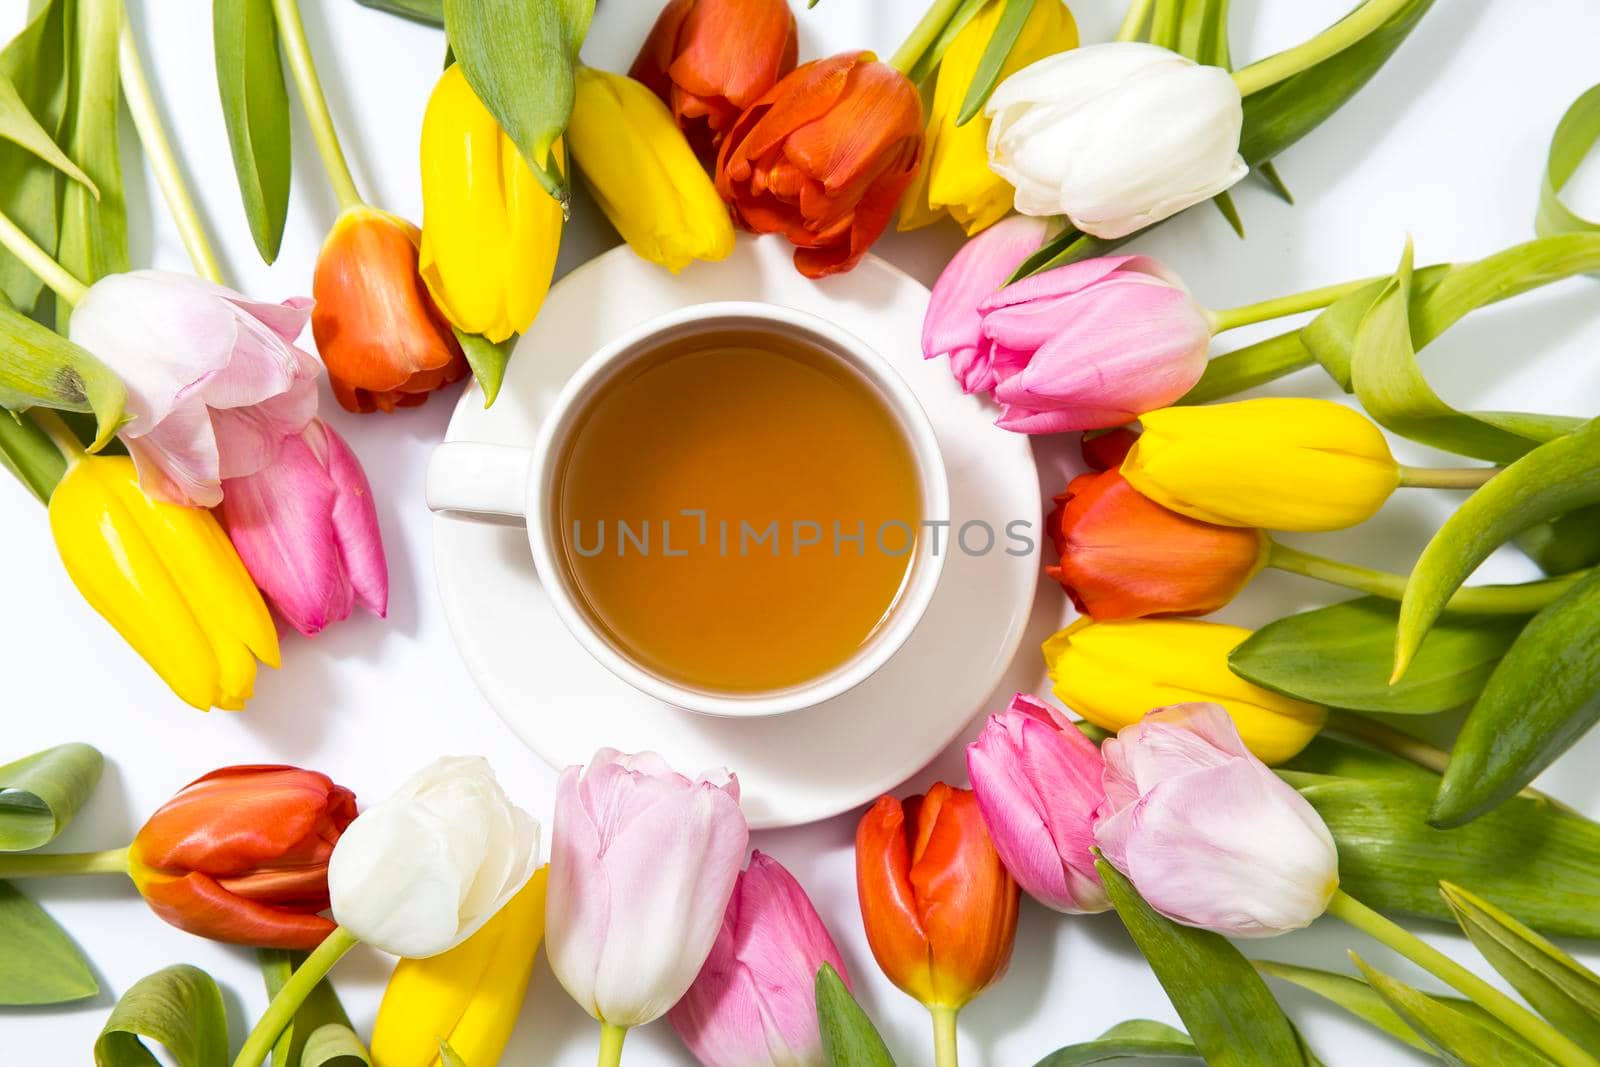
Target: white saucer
<point>793,768</point>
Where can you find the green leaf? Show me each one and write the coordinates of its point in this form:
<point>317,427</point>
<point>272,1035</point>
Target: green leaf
<point>1351,994</point>
<point>1570,543</point>
<point>1575,136</point>
<point>449,1057</point>
<point>18,126</point>
<point>1144,1038</point>
<point>321,1009</point>
<point>1457,1037</point>
<point>255,109</point>
<point>519,58</point>
<point>178,1007</point>
<point>928,62</point>
<point>40,964</point>
<point>1334,757</point>
<point>333,1045</point>
<point>1227,1008</point>
<point>487,360</point>
<point>1560,988</point>
<point>1553,479</point>
<point>1540,700</point>
<point>1528,856</point>
<point>39,794</point>
<point>35,62</point>
<point>848,1037</point>
<point>1342,656</point>
<point>41,368</point>
<point>987,74</point>
<point>27,452</point>
<point>429,11</point>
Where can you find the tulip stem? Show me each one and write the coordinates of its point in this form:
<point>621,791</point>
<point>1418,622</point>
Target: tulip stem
<point>944,1037</point>
<point>1293,304</point>
<point>46,269</point>
<point>169,175</point>
<point>1250,366</point>
<point>1535,1030</point>
<point>1133,21</point>
<point>51,864</point>
<point>60,434</point>
<point>923,34</point>
<point>611,1038</point>
<point>293,994</point>
<point>309,86</point>
<point>1349,30</point>
<point>1446,477</point>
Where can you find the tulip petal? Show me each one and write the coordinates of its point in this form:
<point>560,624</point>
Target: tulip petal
<point>197,904</point>
<point>952,324</point>
<point>355,523</point>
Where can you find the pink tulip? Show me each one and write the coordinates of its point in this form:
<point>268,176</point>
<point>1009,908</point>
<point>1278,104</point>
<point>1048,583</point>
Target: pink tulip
<point>307,531</point>
<point>754,1001</point>
<point>642,865</point>
<point>1038,787</point>
<point>952,326</point>
<point>1206,832</point>
<point>214,379</point>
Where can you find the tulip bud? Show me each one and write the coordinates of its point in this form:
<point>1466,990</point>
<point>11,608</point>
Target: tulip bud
<point>1208,835</point>
<point>708,60</point>
<point>384,342</point>
<point>1124,556</point>
<point>1038,786</point>
<point>952,326</point>
<point>241,855</point>
<point>643,173</point>
<point>642,864</point>
<point>1274,463</point>
<point>424,870</point>
<point>957,179</point>
<point>1116,136</point>
<point>822,158</point>
<point>754,1001</point>
<point>1111,673</point>
<point>939,908</point>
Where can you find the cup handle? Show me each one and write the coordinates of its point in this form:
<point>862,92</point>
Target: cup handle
<point>480,482</point>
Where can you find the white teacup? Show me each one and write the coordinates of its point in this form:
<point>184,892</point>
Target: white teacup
<point>501,483</point>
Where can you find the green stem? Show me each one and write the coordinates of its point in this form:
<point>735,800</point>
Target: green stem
<point>1535,1030</point>
<point>1524,599</point>
<point>60,434</point>
<point>30,453</point>
<point>1245,368</point>
<point>1446,477</point>
<point>611,1038</point>
<point>169,176</point>
<point>923,34</point>
<point>1293,304</point>
<point>1331,41</point>
<point>36,259</point>
<point>944,1037</point>
<point>49,864</point>
<point>293,994</point>
<point>304,69</point>
<point>1133,22</point>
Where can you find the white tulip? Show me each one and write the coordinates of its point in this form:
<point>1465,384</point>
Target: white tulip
<point>1116,136</point>
<point>422,871</point>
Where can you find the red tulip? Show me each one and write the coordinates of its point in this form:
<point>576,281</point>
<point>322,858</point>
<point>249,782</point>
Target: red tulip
<point>1105,450</point>
<point>708,60</point>
<point>241,855</point>
<point>1123,556</point>
<point>822,158</point>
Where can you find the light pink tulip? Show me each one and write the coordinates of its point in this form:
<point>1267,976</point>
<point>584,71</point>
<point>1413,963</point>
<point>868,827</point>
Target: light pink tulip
<point>307,530</point>
<point>754,1001</point>
<point>1038,787</point>
<point>214,379</point>
<point>952,326</point>
<point>1206,832</point>
<point>642,865</point>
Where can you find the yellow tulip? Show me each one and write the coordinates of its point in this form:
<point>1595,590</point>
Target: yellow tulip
<point>469,996</point>
<point>1113,673</point>
<point>957,179</point>
<point>490,232</point>
<point>644,174</point>
<point>167,578</point>
<point>1277,463</point>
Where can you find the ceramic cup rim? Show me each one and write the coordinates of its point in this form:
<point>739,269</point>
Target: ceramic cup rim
<point>554,433</point>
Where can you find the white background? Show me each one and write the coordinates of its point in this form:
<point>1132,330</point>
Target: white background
<point>1447,144</point>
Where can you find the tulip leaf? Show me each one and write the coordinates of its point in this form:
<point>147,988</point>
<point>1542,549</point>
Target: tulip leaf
<point>255,109</point>
<point>1539,701</point>
<point>1557,477</point>
<point>519,58</point>
<point>1228,1010</point>
<point>1456,1036</point>
<point>1333,757</point>
<point>179,1008</point>
<point>333,1045</point>
<point>1575,136</point>
<point>39,794</point>
<point>1141,1038</point>
<point>321,1010</point>
<point>848,1037</point>
<point>18,126</point>
<point>35,62</point>
<point>1570,543</point>
<point>1342,656</point>
<point>928,62</point>
<point>987,74</point>
<point>487,360</point>
<point>1560,988</point>
<point>1528,856</point>
<point>27,452</point>
<point>43,369</point>
<point>1351,994</point>
<point>428,11</point>
<point>41,964</point>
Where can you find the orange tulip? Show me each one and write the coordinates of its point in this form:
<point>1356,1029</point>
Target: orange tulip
<point>708,60</point>
<point>939,908</point>
<point>384,341</point>
<point>1123,556</point>
<point>241,855</point>
<point>822,158</point>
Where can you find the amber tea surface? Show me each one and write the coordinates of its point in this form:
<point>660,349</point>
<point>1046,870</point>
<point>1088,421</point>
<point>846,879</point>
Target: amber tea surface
<point>810,501</point>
